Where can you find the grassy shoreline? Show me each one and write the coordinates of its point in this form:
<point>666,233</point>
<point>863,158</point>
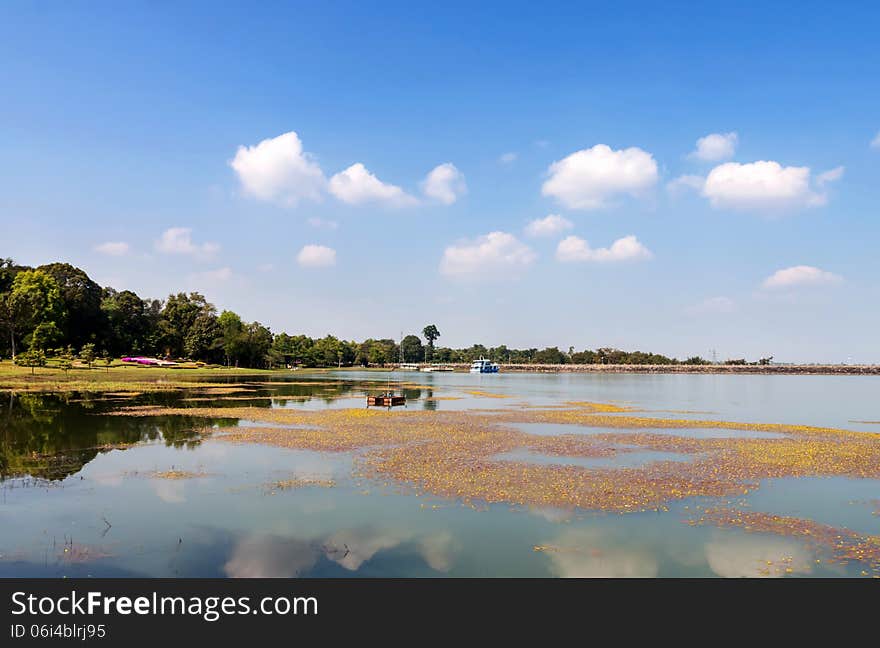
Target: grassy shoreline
<point>127,378</point>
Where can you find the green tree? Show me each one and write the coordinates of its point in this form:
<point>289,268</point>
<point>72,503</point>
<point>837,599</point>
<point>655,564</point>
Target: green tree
<point>81,301</point>
<point>127,324</point>
<point>44,336</point>
<point>232,338</point>
<point>31,358</point>
<point>87,354</point>
<point>411,346</point>
<point>431,333</point>
<point>33,299</point>
<point>178,316</point>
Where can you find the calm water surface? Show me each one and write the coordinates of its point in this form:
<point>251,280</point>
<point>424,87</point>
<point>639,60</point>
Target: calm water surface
<point>70,508</point>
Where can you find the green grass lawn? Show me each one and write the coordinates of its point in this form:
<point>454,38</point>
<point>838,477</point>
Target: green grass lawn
<point>117,377</point>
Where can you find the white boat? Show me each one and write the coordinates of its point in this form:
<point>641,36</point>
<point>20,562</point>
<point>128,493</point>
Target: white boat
<point>408,366</point>
<point>482,366</point>
<point>433,368</point>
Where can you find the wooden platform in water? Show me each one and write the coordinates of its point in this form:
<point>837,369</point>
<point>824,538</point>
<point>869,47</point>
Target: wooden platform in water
<point>385,401</point>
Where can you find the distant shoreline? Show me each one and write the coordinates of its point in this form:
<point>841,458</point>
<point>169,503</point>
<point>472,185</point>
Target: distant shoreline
<point>793,369</point>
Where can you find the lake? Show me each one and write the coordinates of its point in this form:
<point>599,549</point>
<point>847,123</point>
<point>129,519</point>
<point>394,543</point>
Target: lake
<point>567,475</point>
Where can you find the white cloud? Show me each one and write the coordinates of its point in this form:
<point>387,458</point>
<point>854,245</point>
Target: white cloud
<point>715,147</point>
<point>278,170</point>
<point>495,255</point>
<point>587,179</point>
<point>875,143</point>
<point>756,557</point>
<point>713,305</point>
<point>508,158</point>
<point>685,183</point>
<point>798,276</point>
<point>322,223</point>
<point>316,256</point>
<point>832,175</point>
<point>444,183</point>
<point>178,240</point>
<point>357,186</point>
<point>113,248</point>
<point>763,185</point>
<point>574,249</point>
<point>548,226</point>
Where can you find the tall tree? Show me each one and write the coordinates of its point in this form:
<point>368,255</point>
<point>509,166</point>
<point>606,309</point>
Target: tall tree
<point>33,300</point>
<point>81,299</point>
<point>178,317</point>
<point>128,324</point>
<point>411,347</point>
<point>431,333</point>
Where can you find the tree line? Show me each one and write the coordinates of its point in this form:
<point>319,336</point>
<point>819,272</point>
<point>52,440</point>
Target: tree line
<point>57,309</point>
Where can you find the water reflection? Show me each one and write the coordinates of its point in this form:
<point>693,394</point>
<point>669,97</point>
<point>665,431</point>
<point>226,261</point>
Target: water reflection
<point>273,556</point>
<point>733,555</point>
<point>234,521</point>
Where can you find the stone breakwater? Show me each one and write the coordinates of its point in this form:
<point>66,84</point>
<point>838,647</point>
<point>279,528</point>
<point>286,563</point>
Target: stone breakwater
<point>804,369</point>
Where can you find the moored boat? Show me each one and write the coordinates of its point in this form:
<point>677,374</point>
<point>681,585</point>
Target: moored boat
<point>482,366</point>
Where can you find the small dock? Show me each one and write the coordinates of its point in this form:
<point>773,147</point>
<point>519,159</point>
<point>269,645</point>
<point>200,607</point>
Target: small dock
<point>386,400</point>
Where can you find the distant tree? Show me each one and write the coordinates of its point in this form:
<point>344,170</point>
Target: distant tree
<point>44,336</point>
<point>33,299</point>
<point>411,346</point>
<point>81,302</point>
<point>431,333</point>
<point>87,354</point>
<point>107,359</point>
<point>550,355</point>
<point>127,323</point>
<point>377,353</point>
<point>31,358</point>
<point>232,340</point>
<point>179,315</point>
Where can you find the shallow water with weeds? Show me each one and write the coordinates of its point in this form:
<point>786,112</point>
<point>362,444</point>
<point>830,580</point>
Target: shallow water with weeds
<point>503,475</point>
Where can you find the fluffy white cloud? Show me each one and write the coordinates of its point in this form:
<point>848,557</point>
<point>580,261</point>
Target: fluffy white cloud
<point>763,185</point>
<point>713,305</point>
<point>444,183</point>
<point>798,276</point>
<point>508,158</point>
<point>587,179</point>
<point>113,248</point>
<point>875,143</point>
<point>277,169</point>
<point>548,226</point>
<point>573,249</point>
<point>357,186</point>
<point>178,240</point>
<point>316,256</point>
<point>715,147</point>
<point>495,255</point>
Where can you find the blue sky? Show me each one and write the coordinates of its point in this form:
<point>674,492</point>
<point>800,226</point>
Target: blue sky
<point>406,150</point>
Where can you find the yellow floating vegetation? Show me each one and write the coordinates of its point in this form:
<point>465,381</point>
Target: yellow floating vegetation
<point>484,394</point>
<point>176,474</point>
<point>300,482</point>
<point>455,453</point>
<point>842,544</point>
<point>599,407</point>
